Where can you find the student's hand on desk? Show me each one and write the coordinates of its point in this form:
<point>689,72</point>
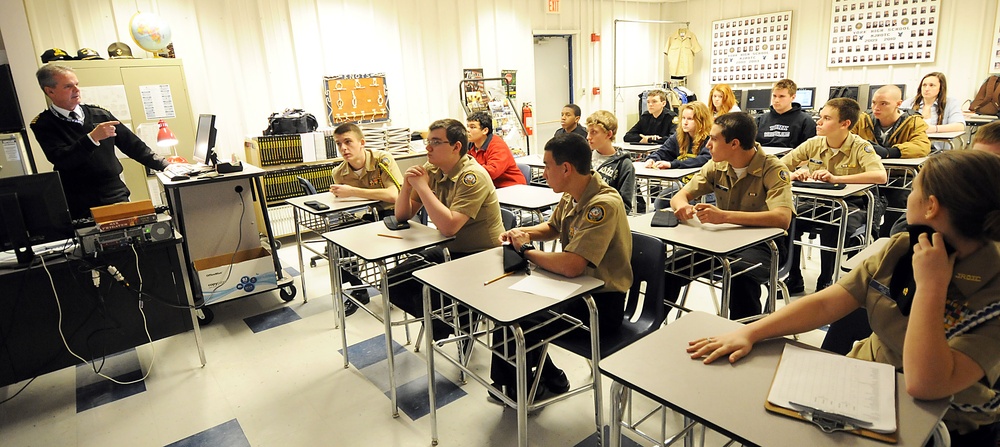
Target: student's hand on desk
<point>932,266</point>
<point>685,212</point>
<point>342,190</point>
<point>663,164</point>
<point>734,343</point>
<point>710,214</point>
<point>104,130</point>
<point>515,237</point>
<point>822,175</point>
<point>650,163</point>
<point>798,174</point>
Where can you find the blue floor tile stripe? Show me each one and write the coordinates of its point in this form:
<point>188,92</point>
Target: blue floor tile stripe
<point>369,357</point>
<point>271,319</point>
<point>227,434</point>
<point>105,392</point>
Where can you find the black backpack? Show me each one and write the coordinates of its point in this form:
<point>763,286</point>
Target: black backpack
<point>987,100</point>
<point>291,121</point>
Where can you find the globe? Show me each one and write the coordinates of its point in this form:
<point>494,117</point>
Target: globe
<point>149,31</point>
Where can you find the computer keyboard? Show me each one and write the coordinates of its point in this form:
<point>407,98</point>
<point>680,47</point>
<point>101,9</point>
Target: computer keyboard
<point>180,171</point>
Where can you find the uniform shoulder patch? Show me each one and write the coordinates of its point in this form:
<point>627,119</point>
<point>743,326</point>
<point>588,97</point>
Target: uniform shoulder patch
<point>869,149</point>
<point>596,214</point>
<point>385,160</point>
<point>783,174</point>
<point>469,179</point>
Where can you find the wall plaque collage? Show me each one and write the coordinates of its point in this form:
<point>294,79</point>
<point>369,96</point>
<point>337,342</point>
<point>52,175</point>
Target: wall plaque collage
<point>356,98</point>
<point>995,52</point>
<point>751,49</point>
<point>880,32</point>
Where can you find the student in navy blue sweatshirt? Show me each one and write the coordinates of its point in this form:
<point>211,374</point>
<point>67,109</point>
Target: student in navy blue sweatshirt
<point>785,125</point>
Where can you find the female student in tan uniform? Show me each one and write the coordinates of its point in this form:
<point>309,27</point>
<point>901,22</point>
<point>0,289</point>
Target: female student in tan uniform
<point>951,271</point>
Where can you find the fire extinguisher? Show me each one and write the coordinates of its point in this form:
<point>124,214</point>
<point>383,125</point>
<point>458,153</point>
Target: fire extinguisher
<point>529,121</point>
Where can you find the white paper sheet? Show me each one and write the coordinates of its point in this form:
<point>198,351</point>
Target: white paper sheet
<point>111,97</point>
<point>833,383</point>
<point>157,101</point>
<point>537,285</point>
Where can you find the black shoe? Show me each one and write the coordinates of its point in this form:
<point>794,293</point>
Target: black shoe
<point>492,397</point>
<point>349,308</point>
<point>556,382</point>
<point>361,295</point>
<point>821,284</point>
<point>511,391</point>
<point>795,285</point>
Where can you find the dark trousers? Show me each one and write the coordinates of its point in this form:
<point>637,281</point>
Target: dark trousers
<point>408,294</point>
<point>844,332</point>
<point>610,313</point>
<point>744,290</point>
<point>828,235</point>
<point>895,198</point>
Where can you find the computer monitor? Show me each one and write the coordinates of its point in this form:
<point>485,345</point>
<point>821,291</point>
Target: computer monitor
<point>739,98</point>
<point>858,93</point>
<point>204,140</point>
<point>874,87</point>
<point>806,97</point>
<point>33,211</point>
<point>758,99</point>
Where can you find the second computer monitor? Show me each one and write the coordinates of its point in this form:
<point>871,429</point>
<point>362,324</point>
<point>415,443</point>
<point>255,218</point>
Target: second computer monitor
<point>874,87</point>
<point>758,99</point>
<point>806,97</point>
<point>204,140</point>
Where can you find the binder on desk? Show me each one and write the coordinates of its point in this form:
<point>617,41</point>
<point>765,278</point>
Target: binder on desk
<point>836,393</point>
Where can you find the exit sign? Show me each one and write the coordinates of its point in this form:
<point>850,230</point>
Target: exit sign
<point>553,6</point>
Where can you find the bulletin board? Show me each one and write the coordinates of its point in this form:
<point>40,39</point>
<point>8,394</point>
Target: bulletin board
<point>751,49</point>
<point>356,98</point>
<point>881,32</point>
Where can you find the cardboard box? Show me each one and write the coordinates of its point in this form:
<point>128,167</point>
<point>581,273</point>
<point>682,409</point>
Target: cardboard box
<point>252,271</point>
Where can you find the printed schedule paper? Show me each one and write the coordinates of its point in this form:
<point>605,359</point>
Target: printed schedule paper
<point>857,389</point>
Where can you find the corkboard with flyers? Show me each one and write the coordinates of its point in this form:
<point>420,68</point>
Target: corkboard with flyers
<point>356,98</point>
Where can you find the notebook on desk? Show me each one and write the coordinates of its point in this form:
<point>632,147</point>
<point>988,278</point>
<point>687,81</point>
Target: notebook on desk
<point>836,393</point>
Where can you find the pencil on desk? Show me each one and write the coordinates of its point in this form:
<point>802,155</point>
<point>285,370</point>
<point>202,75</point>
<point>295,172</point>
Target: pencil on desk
<point>389,235</point>
<point>486,283</point>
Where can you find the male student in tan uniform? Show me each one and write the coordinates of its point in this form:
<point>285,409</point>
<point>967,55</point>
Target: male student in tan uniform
<point>460,199</point>
<point>366,173</point>
<point>591,224</point>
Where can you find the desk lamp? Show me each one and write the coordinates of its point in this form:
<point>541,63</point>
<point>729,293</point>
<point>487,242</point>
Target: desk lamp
<point>165,138</point>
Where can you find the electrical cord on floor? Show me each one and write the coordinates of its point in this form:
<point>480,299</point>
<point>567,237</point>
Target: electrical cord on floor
<point>239,241</point>
<point>66,343</point>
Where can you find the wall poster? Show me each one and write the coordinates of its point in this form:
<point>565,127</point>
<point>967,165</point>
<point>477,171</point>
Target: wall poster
<point>881,32</point>
<point>751,49</point>
<point>356,98</point>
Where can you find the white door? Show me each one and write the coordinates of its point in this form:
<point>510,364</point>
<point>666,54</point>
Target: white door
<point>553,85</point>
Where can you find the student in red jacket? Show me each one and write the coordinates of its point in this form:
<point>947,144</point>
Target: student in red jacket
<point>492,152</point>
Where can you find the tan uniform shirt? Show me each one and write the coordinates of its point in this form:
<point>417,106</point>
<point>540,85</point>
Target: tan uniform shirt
<point>596,228</point>
<point>681,47</point>
<point>974,293</point>
<point>765,186</point>
<point>468,189</point>
<point>855,156</point>
<point>380,171</point>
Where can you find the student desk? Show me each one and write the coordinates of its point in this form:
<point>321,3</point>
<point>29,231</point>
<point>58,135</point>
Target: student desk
<point>375,255</point>
<point>776,151</point>
<point>872,248</point>
<point>535,166</point>
<point>973,121</point>
<point>946,137</point>
<point>661,177</point>
<point>720,244</point>
<point>529,198</point>
<point>640,151</point>
<point>730,398</point>
<point>901,173</point>
<point>461,284</point>
<point>829,207</point>
<point>340,213</point>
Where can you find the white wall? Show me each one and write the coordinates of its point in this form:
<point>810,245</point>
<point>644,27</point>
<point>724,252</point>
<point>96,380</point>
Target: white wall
<point>247,58</point>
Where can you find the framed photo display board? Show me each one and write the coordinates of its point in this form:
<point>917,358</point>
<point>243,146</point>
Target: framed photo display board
<point>751,49</point>
<point>356,98</point>
<point>881,32</point>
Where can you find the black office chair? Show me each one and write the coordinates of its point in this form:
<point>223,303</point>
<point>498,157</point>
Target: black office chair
<point>508,218</point>
<point>307,186</point>
<point>525,171</point>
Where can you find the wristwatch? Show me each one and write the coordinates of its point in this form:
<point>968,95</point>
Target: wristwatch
<point>526,247</point>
